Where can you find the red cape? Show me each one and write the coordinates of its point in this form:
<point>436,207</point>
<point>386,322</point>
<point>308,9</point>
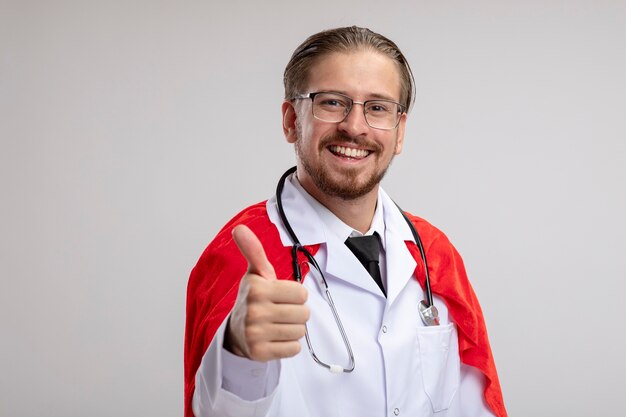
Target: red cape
<point>214,283</point>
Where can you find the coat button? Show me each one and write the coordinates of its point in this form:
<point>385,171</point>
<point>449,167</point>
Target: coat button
<point>384,329</point>
<point>396,412</point>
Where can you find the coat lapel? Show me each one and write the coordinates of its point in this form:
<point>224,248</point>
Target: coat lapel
<point>400,262</point>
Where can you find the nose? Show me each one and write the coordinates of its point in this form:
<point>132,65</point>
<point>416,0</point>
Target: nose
<point>354,124</point>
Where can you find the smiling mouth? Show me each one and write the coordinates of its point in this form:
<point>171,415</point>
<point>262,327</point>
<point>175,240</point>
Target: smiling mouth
<point>349,152</point>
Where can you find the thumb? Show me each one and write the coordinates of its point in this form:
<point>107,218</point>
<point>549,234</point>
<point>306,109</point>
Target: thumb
<point>251,248</point>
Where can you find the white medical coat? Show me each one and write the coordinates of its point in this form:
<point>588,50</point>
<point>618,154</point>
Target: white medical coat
<point>402,367</point>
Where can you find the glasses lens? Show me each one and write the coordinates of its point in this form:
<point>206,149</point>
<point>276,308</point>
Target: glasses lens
<point>382,114</point>
<point>330,107</point>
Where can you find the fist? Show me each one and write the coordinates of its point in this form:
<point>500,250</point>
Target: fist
<point>269,316</point>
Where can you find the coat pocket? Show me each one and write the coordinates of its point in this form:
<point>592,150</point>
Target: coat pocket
<point>439,361</point>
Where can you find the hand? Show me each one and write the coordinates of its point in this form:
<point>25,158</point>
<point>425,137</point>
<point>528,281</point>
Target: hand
<point>268,318</point>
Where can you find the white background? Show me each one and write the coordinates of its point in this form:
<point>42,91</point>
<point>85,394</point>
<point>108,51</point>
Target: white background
<point>131,131</point>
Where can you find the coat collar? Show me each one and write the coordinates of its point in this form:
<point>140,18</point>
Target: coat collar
<point>315,224</point>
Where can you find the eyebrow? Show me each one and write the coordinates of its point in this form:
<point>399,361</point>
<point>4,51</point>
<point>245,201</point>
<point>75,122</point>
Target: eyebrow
<point>374,96</point>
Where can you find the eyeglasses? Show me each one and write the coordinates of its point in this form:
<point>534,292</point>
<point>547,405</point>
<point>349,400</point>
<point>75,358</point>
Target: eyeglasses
<point>335,107</point>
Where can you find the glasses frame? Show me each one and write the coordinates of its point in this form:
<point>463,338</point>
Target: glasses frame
<point>401,108</point>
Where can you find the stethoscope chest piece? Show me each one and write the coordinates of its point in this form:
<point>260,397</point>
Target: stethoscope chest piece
<point>429,314</point>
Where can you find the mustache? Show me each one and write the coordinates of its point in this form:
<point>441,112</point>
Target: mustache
<point>340,137</point>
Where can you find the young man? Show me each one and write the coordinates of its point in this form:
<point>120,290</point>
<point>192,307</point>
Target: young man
<point>378,349</point>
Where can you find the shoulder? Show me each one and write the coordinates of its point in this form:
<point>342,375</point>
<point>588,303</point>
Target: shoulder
<point>222,256</point>
<point>445,264</point>
<point>428,233</point>
<point>254,216</point>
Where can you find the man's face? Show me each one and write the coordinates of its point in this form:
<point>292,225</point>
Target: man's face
<point>346,159</point>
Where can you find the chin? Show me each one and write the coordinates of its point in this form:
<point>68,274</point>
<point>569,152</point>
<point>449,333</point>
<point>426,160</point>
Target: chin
<point>347,185</point>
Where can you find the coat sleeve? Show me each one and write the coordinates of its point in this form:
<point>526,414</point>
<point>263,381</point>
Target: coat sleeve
<point>214,283</point>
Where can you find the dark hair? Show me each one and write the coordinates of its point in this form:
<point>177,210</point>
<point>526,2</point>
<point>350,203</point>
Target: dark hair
<point>348,39</point>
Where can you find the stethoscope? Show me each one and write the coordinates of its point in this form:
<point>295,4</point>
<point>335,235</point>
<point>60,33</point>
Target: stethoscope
<point>427,310</point>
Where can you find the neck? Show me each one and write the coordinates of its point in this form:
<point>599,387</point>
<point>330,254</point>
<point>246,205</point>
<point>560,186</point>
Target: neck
<point>356,213</point>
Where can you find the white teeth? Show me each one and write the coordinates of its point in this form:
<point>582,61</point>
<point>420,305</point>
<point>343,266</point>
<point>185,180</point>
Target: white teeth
<point>349,152</point>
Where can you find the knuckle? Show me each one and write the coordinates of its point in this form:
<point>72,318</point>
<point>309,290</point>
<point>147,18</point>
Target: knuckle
<point>253,334</point>
<point>257,352</point>
<point>255,292</point>
<point>256,313</point>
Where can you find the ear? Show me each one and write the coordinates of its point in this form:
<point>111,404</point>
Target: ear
<point>289,121</point>
<point>401,128</point>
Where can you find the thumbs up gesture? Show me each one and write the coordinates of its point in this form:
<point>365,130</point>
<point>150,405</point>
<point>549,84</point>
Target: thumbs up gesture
<point>268,318</point>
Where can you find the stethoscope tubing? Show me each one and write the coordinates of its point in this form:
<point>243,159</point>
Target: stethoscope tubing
<point>297,246</point>
<point>427,310</point>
